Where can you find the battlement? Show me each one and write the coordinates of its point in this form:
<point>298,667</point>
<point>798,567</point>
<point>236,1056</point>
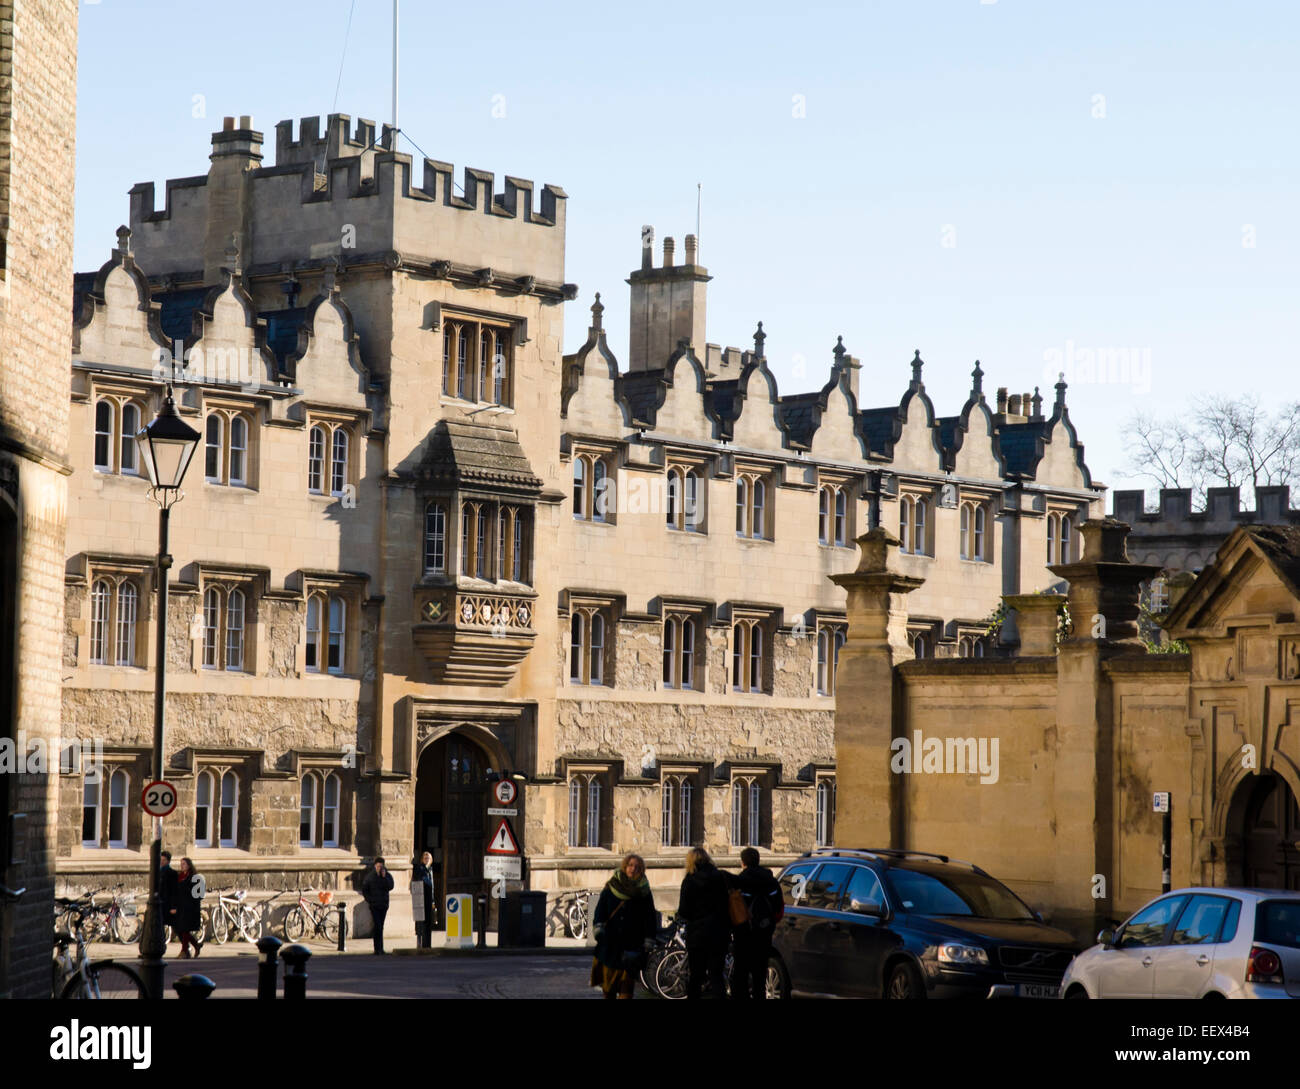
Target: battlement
<point>335,191</point>
<point>336,143</point>
<point>1222,510</point>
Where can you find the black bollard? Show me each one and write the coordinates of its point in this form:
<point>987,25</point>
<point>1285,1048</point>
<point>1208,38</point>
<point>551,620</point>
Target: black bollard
<point>295,959</point>
<point>343,927</point>
<point>268,949</point>
<point>480,905</point>
<point>193,986</point>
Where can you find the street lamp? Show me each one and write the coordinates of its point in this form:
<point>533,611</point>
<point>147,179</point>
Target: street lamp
<point>166,447</point>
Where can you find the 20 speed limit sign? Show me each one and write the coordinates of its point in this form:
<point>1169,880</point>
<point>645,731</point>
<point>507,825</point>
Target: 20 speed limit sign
<point>158,798</point>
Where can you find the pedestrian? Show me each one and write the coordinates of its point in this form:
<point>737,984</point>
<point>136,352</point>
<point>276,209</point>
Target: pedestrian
<point>753,938</point>
<point>166,885</point>
<point>623,922</point>
<point>422,876</point>
<point>376,886</point>
<point>704,909</point>
<point>184,915</point>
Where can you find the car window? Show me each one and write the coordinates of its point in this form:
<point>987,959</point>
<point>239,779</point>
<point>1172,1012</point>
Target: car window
<point>1229,930</point>
<point>956,892</point>
<point>864,886</point>
<point>1148,926</point>
<point>1200,921</point>
<point>824,888</point>
<point>794,883</point>
<point>1278,922</point>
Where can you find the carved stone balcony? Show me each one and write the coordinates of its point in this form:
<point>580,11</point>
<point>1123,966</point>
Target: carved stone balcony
<point>474,638</point>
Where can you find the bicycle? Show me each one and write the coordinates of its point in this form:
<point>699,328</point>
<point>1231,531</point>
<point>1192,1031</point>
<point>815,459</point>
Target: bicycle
<point>575,917</point>
<point>322,916</point>
<point>672,974</point>
<point>232,914</point>
<point>81,977</point>
<point>122,920</point>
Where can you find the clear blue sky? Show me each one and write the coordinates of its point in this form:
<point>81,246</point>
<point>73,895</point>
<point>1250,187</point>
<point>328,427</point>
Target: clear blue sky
<point>926,123</point>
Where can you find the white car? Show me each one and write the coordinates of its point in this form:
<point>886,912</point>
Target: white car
<point>1197,943</point>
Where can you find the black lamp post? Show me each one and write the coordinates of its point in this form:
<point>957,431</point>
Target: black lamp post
<point>166,446</point>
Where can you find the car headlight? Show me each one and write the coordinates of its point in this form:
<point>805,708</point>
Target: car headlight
<point>965,956</point>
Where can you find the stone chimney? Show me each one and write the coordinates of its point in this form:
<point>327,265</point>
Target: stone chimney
<point>235,151</point>
<point>668,304</point>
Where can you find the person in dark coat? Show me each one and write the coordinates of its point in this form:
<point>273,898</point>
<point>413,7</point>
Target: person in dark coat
<point>422,873</point>
<point>624,920</point>
<point>753,948</point>
<point>166,886</point>
<point>704,909</point>
<point>183,913</point>
<point>376,886</point>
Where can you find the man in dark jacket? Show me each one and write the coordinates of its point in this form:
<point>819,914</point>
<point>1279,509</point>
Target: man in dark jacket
<point>167,888</point>
<point>422,876</point>
<point>703,908</point>
<point>764,906</point>
<point>376,886</point>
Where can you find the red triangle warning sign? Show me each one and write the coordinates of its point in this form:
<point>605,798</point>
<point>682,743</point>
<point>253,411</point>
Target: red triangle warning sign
<point>503,840</point>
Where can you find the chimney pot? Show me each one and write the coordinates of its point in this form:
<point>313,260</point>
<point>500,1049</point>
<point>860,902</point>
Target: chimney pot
<point>1002,400</point>
<point>245,121</point>
<point>647,247</point>
<point>669,246</point>
<point>690,249</point>
<point>1013,405</point>
<point>228,124</point>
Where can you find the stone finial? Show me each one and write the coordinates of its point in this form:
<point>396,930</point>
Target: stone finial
<point>840,351</point>
<point>917,364</point>
<point>977,381</point>
<point>759,338</point>
<point>232,256</point>
<point>597,309</point>
<point>1036,622</point>
<point>1037,401</point>
<point>124,240</point>
<point>1060,389</point>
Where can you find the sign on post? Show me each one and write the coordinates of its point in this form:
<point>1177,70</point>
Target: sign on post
<point>158,798</point>
<point>503,840</point>
<point>505,791</point>
<point>496,867</point>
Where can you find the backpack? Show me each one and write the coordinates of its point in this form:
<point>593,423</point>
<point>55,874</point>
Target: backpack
<point>761,914</point>
<point>736,907</point>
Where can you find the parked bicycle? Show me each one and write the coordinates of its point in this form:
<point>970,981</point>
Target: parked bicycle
<point>77,976</point>
<point>672,973</point>
<point>233,916</point>
<point>316,920</point>
<point>121,919</point>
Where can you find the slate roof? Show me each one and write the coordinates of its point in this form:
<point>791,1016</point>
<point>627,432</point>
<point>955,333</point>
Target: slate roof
<point>177,313</point>
<point>799,412</point>
<point>282,331</point>
<point>1020,446</point>
<point>878,427</point>
<point>720,399</point>
<point>461,452</point>
<point>641,391</point>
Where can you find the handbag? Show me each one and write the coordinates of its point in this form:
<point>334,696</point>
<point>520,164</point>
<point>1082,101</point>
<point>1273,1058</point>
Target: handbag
<point>736,907</point>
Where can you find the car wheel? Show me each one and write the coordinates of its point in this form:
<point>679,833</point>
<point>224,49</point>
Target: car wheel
<point>905,982</point>
<point>777,984</point>
<point>1076,992</point>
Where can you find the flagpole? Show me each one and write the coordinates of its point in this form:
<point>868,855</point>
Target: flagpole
<point>395,127</point>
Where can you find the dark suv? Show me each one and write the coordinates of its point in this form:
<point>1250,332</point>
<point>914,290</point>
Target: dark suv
<point>905,924</point>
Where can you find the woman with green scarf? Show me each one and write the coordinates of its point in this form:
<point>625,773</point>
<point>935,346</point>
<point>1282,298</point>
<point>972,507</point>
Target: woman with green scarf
<point>625,917</point>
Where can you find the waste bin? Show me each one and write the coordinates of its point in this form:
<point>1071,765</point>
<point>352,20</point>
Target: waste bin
<point>522,923</point>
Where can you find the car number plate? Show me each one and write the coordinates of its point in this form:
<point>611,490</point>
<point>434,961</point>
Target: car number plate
<point>1037,990</point>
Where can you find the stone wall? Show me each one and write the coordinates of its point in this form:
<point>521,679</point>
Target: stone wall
<point>38,45</point>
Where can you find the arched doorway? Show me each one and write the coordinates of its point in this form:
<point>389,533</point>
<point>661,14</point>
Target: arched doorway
<point>1264,829</point>
<point>451,794</point>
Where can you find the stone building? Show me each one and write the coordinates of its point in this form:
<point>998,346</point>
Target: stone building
<point>421,547</point>
<point>38,76</point>
<point>1085,731</point>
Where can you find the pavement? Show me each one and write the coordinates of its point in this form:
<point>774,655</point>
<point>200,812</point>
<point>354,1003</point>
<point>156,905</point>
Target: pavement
<point>559,970</point>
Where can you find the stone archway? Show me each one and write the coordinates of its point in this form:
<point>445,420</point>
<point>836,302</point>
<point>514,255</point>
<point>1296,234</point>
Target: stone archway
<point>1262,841</point>
<point>451,792</point>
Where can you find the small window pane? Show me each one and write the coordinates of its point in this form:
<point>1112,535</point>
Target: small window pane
<point>104,436</point>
